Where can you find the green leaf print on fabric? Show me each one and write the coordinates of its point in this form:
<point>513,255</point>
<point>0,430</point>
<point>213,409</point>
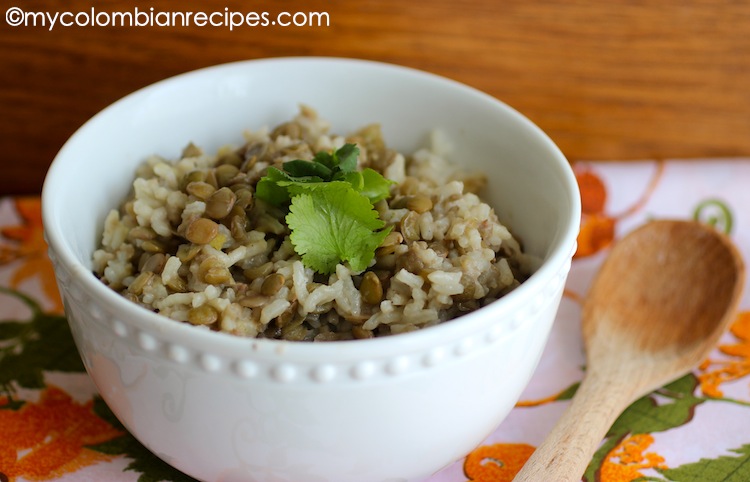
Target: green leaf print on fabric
<point>30,347</point>
<point>150,467</point>
<point>716,213</point>
<point>44,343</point>
<point>674,407</point>
<point>568,393</point>
<point>647,415</point>
<point>723,469</point>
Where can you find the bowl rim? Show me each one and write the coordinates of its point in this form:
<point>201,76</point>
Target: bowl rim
<point>151,322</point>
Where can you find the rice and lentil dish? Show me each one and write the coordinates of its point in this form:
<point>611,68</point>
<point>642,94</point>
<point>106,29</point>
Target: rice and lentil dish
<point>196,244</point>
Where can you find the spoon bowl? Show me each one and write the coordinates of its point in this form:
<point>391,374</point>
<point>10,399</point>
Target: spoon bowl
<point>658,306</point>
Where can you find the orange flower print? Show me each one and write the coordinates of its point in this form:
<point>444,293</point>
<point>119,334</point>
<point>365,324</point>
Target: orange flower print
<point>47,439</point>
<point>597,225</point>
<point>627,459</point>
<point>593,192</point>
<point>597,233</point>
<point>714,373</point>
<point>496,463</point>
<point>30,249</point>
<point>597,228</point>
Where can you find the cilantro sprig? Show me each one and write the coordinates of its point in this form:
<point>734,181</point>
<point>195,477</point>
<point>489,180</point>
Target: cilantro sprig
<point>331,208</point>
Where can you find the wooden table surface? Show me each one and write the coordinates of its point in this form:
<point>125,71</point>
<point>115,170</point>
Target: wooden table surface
<point>608,79</point>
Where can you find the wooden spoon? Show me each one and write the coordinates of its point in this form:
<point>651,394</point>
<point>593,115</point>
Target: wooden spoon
<point>656,309</point>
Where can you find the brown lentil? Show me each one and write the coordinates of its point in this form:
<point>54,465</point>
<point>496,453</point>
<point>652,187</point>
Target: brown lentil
<point>177,285</point>
<point>201,231</point>
<point>371,289</point>
<point>289,129</point>
<point>293,333</point>
<point>288,316</point>
<point>191,150</point>
<point>153,246</point>
<point>226,173</point>
<point>253,301</point>
<point>469,290</point>
<point>393,238</point>
<point>186,252</point>
<point>258,271</point>
<point>410,261</point>
<point>253,153</point>
<point>140,282</point>
<point>232,159</point>
<point>475,184</point>
<point>361,334</point>
<point>141,232</point>
<point>197,175</point>
<point>272,284</point>
<point>211,178</point>
<point>200,189</point>
<point>217,276</point>
<point>154,263</point>
<point>212,271</point>
<point>244,198</point>
<point>220,203</point>
<point>238,226</point>
<point>203,315</point>
<point>419,203</point>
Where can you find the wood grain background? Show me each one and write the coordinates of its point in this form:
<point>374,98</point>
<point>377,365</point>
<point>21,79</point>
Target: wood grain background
<point>607,79</point>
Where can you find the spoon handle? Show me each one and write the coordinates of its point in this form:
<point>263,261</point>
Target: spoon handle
<point>567,450</point>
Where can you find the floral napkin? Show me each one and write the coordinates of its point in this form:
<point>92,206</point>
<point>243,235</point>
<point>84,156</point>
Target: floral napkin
<point>54,426</point>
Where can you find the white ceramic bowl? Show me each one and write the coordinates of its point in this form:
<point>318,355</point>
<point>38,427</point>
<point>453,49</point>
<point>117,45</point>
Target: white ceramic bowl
<point>223,408</point>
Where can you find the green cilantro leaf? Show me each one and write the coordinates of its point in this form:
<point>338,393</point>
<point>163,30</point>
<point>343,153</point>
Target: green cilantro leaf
<point>332,224</point>
<point>297,188</point>
<point>355,178</point>
<point>278,186</point>
<point>331,214</point>
<point>269,190</point>
<point>345,158</point>
<point>301,168</point>
<point>325,158</point>
<point>375,186</point>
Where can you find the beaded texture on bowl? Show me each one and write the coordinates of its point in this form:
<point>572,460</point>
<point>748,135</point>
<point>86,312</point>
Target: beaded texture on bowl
<point>317,371</point>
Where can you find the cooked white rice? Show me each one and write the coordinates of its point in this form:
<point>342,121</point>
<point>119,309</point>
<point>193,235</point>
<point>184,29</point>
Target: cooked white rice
<point>447,253</point>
